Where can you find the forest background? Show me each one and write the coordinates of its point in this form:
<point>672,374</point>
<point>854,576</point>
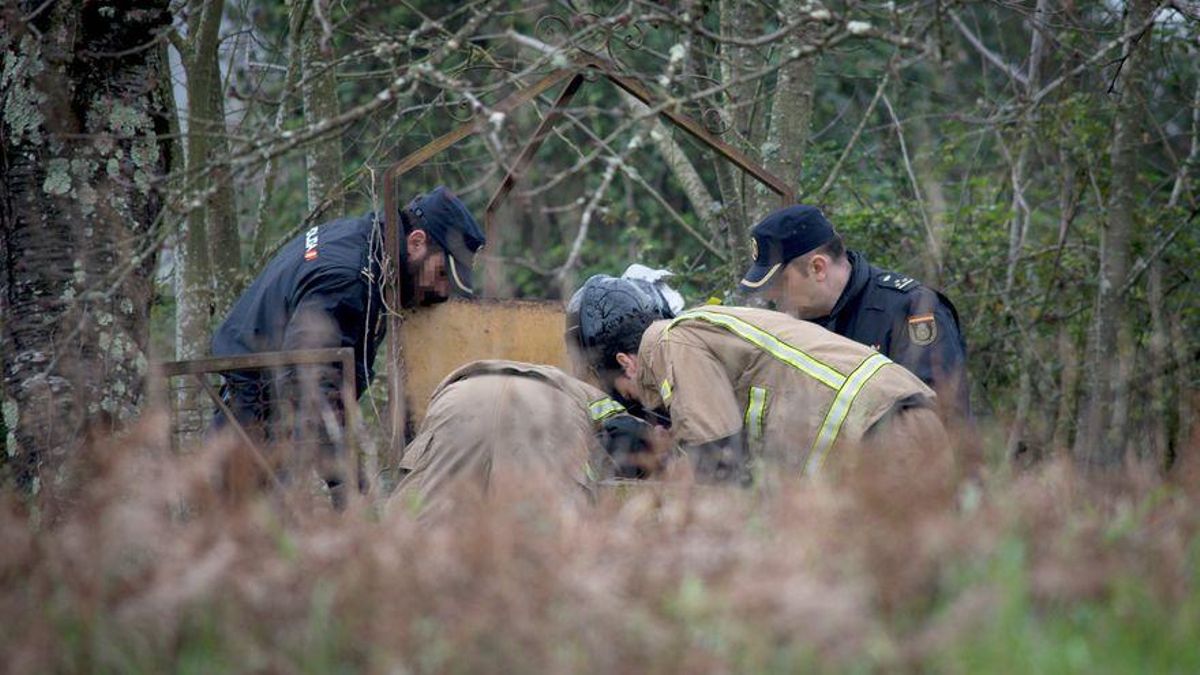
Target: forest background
<point>1037,161</point>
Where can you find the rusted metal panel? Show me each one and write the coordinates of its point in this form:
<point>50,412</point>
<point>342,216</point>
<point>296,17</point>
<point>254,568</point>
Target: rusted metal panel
<point>441,338</point>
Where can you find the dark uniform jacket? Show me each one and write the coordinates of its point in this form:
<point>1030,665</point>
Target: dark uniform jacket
<point>323,289</point>
<point>911,324</point>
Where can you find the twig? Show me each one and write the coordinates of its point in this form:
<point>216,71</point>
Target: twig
<point>988,54</point>
<point>912,176</point>
<point>586,219</point>
<point>832,176</point>
<point>1091,60</point>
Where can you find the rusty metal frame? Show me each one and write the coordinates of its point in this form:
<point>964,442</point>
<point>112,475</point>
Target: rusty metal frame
<point>584,62</point>
<point>344,356</point>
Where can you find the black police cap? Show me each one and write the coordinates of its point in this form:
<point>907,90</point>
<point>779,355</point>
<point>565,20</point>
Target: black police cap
<point>440,213</point>
<point>787,233</point>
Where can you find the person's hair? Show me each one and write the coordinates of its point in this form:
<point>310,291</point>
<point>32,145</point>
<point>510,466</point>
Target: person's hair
<point>835,249</point>
<point>409,222</point>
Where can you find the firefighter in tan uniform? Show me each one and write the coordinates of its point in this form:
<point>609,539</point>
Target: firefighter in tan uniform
<point>515,424</point>
<point>742,383</point>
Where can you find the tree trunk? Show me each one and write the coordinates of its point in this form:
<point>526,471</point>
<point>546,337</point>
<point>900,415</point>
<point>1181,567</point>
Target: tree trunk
<point>323,159</point>
<point>1068,391</point>
<point>1158,424</point>
<point>80,160</point>
<point>1188,401</point>
<point>739,19</point>
<point>1017,231</point>
<point>791,118</point>
<point>1100,442</point>
<point>209,257</point>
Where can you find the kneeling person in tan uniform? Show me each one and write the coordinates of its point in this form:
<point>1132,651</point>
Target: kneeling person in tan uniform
<point>521,425</point>
<point>743,383</point>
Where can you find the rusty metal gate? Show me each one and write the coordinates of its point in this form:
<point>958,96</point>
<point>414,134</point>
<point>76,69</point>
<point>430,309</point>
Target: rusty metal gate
<point>192,390</point>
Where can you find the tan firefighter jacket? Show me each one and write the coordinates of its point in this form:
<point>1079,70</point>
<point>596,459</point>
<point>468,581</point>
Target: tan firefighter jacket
<point>801,393</point>
<point>531,422</point>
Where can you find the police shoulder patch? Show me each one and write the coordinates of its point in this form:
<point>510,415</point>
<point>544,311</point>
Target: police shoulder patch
<point>922,329</point>
<point>897,282</point>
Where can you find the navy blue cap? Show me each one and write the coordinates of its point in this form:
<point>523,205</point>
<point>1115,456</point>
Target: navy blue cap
<point>440,213</point>
<point>787,233</point>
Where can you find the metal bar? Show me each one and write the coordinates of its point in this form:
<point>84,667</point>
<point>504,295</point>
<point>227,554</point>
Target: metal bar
<point>258,361</point>
<point>441,143</point>
<point>635,89</point>
<point>349,432</point>
<point>739,159</point>
<point>531,148</point>
<point>233,420</point>
<point>391,293</point>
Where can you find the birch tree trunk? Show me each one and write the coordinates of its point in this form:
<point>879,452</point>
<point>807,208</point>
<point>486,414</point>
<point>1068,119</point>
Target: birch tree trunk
<point>323,159</point>
<point>81,157</point>
<point>1100,442</point>
<point>209,257</point>
<point>738,19</point>
<point>1019,229</point>
<point>1188,401</point>
<point>1158,438</point>
<point>1068,391</point>
<point>791,117</point>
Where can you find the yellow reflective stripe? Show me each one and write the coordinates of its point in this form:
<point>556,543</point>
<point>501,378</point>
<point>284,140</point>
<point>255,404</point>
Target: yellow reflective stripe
<point>772,345</point>
<point>840,409</point>
<point>664,390</point>
<point>754,413</point>
<point>604,408</point>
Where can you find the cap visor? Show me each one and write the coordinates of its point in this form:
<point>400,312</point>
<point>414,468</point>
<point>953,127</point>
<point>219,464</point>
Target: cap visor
<point>460,276</point>
<point>758,277</point>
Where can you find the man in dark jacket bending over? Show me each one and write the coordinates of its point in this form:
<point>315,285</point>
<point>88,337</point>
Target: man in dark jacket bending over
<point>325,289</point>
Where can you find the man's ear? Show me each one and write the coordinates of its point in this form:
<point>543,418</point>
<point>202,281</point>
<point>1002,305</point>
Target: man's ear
<point>629,365</point>
<point>416,242</point>
<point>820,266</point>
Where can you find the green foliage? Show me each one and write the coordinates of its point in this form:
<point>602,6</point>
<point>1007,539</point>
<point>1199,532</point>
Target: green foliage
<point>965,122</point>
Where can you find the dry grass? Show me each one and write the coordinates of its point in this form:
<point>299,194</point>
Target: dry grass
<point>151,569</point>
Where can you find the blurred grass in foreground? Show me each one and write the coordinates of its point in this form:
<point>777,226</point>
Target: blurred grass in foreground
<point>151,569</point>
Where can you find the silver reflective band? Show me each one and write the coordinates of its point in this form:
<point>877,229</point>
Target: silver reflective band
<point>604,408</point>
<point>840,409</point>
<point>754,413</point>
<point>770,344</point>
<point>664,390</point>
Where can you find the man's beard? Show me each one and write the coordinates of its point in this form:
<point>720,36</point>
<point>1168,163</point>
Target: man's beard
<point>426,298</point>
<point>412,295</point>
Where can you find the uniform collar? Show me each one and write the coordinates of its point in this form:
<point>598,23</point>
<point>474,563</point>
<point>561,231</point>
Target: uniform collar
<point>648,369</point>
<point>860,274</point>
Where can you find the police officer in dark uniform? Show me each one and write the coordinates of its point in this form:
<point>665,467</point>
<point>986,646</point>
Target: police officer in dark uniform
<point>325,289</point>
<point>801,264</point>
